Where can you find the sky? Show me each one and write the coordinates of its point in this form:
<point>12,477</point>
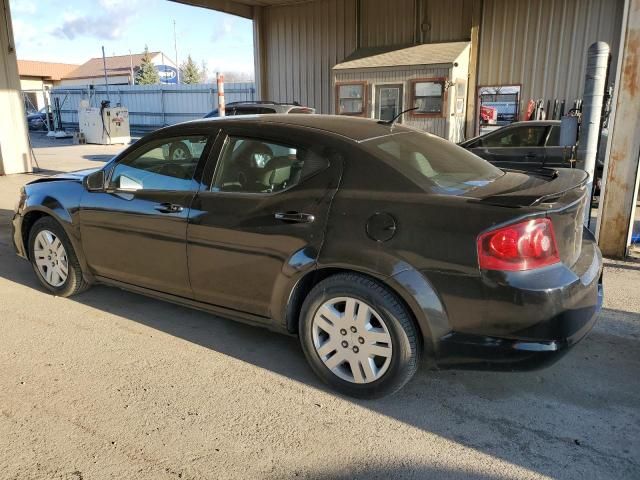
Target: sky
<point>74,31</point>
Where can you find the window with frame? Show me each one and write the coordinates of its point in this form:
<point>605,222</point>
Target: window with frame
<point>256,166</point>
<point>167,164</point>
<point>526,136</point>
<point>428,97</point>
<point>351,98</point>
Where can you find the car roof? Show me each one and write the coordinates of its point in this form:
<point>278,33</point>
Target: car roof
<point>354,128</point>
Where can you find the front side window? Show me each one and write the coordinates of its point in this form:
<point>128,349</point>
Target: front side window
<point>351,99</point>
<point>433,163</point>
<point>257,166</point>
<point>517,137</point>
<point>167,164</point>
<point>428,97</point>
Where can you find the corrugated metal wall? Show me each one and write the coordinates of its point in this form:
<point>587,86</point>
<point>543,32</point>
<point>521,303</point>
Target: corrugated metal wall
<point>152,106</point>
<point>539,44</point>
<point>542,45</point>
<point>387,23</point>
<point>302,42</point>
<point>447,20</point>
<point>375,76</point>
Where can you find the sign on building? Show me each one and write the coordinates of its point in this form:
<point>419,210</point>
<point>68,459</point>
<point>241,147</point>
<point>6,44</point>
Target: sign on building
<point>168,74</point>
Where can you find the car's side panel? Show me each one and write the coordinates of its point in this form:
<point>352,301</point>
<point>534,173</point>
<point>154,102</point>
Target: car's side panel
<point>126,238</point>
<point>240,255</point>
<point>133,236</point>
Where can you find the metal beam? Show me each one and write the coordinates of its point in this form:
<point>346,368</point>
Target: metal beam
<point>228,6</point>
<point>15,154</point>
<point>623,153</point>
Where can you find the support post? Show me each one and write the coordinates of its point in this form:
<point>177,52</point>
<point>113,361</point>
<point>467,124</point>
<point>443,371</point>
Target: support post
<point>620,182</point>
<point>594,87</point>
<point>220,82</point>
<point>259,61</point>
<point>472,84</point>
<point>15,154</point>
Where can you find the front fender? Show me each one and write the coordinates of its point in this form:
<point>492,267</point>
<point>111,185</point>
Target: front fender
<point>63,206</point>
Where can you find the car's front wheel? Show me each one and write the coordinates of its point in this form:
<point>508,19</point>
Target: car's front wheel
<point>358,337</point>
<point>54,260</point>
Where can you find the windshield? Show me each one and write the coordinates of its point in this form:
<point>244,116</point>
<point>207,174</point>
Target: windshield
<point>433,163</point>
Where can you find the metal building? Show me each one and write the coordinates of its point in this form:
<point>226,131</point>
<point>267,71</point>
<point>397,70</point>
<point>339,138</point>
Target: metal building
<point>379,82</point>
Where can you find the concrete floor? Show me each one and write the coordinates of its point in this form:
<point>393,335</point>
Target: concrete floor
<point>111,384</point>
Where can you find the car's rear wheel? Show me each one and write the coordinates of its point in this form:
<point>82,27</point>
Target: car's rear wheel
<point>358,337</point>
<point>54,260</point>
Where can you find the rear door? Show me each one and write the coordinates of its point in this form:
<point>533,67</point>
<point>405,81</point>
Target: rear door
<point>261,219</point>
<point>518,147</point>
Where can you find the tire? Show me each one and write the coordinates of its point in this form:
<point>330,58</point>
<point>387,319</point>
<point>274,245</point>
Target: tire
<point>388,319</point>
<point>179,148</point>
<point>74,282</point>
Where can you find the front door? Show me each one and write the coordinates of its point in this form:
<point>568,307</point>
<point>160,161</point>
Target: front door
<point>135,231</point>
<point>388,101</point>
<point>261,221</point>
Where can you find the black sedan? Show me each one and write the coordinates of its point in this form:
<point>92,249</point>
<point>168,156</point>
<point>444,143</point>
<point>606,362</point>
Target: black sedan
<point>376,244</point>
<point>523,145</point>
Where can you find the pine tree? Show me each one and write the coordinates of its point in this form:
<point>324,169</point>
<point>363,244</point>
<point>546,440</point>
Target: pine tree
<point>147,73</point>
<point>189,72</point>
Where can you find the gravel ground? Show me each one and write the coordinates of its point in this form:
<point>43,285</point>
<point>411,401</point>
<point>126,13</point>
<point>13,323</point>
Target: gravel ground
<point>111,384</point>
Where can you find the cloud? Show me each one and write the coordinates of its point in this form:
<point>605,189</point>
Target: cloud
<point>24,32</point>
<point>24,6</point>
<point>225,30</point>
<point>110,24</point>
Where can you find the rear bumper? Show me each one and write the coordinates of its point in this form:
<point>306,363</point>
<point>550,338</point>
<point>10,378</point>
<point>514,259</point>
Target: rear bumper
<point>566,312</point>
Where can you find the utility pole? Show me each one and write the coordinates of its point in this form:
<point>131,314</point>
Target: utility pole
<point>104,66</point>
<point>175,47</point>
<point>133,80</point>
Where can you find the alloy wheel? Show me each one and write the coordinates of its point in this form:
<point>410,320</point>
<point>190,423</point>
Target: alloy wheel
<point>51,258</point>
<point>352,340</point>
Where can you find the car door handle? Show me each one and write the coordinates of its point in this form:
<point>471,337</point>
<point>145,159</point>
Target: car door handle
<point>169,208</point>
<point>294,217</point>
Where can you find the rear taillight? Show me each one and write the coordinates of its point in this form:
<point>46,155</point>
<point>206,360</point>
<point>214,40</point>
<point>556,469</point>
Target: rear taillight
<point>522,246</point>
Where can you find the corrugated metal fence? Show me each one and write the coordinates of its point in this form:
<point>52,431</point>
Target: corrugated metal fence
<point>151,106</point>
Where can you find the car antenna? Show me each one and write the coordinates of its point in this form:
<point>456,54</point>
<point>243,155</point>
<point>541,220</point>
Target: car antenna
<point>393,120</point>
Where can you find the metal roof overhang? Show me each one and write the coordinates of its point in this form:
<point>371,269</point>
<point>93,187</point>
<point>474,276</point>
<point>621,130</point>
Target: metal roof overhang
<point>242,8</point>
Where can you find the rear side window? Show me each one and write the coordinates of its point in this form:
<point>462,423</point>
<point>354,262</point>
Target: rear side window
<point>256,166</point>
<point>433,163</point>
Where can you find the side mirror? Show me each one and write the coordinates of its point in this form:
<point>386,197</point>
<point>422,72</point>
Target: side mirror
<point>95,181</point>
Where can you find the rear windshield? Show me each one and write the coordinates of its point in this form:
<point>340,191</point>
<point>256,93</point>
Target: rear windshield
<point>433,163</point>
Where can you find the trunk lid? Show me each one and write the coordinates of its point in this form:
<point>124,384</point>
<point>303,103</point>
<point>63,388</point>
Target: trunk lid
<point>561,194</point>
